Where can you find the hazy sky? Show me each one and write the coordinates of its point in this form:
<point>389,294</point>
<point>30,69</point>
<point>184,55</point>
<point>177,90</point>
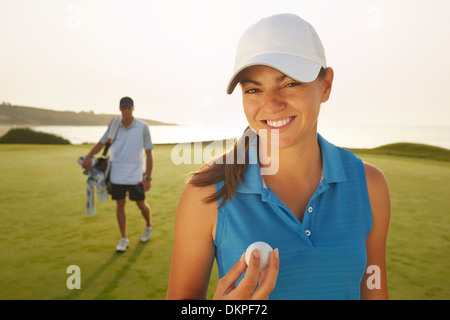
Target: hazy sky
<point>174,58</point>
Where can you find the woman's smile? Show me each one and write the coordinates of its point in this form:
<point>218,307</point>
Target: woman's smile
<point>280,123</point>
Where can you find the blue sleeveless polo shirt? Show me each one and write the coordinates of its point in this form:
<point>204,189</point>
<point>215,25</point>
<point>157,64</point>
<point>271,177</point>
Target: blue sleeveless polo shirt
<point>324,256</point>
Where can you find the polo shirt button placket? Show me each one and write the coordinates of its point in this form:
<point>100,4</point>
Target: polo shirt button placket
<point>307,231</point>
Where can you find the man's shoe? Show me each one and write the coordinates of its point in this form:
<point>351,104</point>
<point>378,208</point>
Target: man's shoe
<point>123,245</point>
<point>147,233</point>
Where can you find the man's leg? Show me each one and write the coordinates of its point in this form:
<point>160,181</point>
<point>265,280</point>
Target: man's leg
<point>121,217</point>
<point>137,194</point>
<point>146,213</point>
<point>118,193</point>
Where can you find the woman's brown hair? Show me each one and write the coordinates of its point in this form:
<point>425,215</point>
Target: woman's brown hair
<point>231,171</point>
<point>227,169</point>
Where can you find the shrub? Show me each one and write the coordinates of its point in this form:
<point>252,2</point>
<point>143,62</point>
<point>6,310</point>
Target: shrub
<point>29,136</point>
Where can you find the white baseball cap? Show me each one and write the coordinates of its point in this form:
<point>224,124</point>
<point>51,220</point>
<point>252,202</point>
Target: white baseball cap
<point>284,42</point>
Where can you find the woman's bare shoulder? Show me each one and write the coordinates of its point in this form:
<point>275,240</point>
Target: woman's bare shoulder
<point>193,207</point>
<point>378,191</point>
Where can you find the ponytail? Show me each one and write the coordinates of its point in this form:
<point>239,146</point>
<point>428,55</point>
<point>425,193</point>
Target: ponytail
<point>230,168</point>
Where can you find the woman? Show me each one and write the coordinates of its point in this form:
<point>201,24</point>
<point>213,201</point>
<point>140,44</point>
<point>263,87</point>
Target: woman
<point>324,210</point>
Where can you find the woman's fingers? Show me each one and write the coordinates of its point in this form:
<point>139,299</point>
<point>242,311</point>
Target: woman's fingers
<point>268,278</point>
<point>251,278</point>
<point>227,282</point>
<point>264,282</point>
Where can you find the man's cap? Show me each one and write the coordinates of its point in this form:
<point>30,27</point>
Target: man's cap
<point>126,101</point>
<point>284,42</point>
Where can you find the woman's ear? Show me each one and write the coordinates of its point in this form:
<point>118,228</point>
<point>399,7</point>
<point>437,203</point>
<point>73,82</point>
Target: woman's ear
<point>327,84</point>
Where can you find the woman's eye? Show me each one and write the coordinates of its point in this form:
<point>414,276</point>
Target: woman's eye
<point>252,91</point>
<point>293,84</point>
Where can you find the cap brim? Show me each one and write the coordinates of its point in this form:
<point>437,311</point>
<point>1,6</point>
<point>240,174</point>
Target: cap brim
<point>294,67</point>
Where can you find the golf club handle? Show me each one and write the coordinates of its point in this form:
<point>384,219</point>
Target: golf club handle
<point>107,145</point>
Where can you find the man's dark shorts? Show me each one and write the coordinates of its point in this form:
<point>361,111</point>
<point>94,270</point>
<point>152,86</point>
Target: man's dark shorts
<point>135,192</point>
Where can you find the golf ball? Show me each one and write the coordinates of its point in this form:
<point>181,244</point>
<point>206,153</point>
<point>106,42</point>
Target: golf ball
<point>264,250</point>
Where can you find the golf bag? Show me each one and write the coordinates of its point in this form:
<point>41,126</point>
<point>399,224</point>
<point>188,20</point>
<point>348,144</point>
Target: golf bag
<point>103,163</point>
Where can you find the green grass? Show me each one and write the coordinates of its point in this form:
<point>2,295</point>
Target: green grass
<point>44,228</point>
<point>418,247</point>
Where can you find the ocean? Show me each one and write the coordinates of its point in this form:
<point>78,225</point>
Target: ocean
<point>354,136</point>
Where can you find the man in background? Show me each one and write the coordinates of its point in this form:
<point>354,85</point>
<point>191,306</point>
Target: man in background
<point>129,172</point>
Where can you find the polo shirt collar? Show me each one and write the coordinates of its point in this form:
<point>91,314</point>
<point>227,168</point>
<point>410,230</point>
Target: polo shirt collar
<point>333,171</point>
<point>132,124</point>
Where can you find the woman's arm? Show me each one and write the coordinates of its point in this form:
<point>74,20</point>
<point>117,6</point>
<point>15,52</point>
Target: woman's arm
<point>193,250</point>
<point>374,282</point>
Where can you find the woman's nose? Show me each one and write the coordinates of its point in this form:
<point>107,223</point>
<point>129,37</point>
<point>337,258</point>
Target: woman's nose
<point>274,102</point>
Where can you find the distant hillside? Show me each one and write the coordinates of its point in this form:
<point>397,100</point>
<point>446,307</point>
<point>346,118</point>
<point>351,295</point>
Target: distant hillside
<point>17,115</point>
<point>413,150</point>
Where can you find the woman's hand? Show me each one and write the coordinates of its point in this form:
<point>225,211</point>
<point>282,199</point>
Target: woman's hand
<point>265,280</point>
